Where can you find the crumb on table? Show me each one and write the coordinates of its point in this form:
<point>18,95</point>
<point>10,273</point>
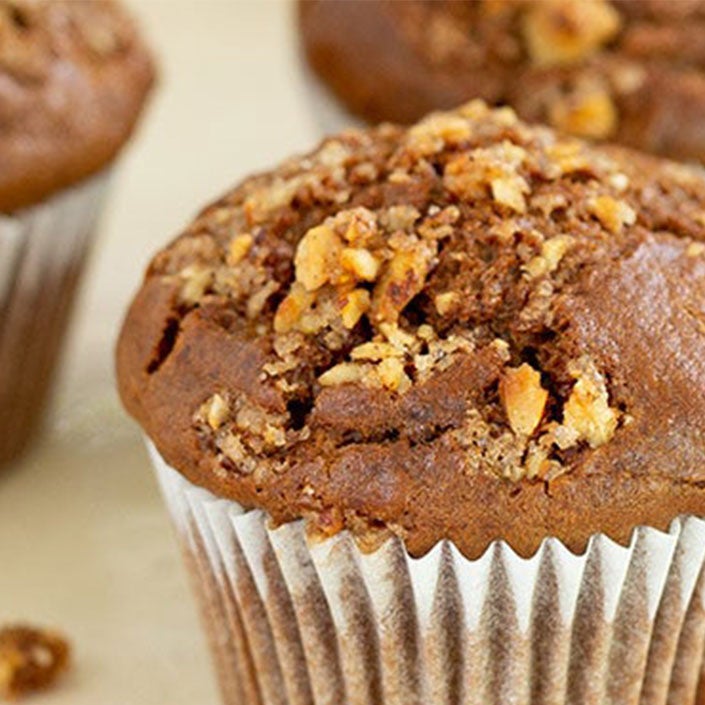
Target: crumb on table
<point>31,659</point>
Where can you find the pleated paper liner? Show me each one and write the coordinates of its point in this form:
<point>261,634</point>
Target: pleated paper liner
<point>42,251</point>
<point>295,622</point>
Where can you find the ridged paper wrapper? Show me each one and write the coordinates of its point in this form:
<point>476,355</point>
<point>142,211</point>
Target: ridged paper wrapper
<point>42,252</point>
<point>294,620</point>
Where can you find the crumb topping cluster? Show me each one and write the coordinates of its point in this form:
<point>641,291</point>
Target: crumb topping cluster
<point>33,34</point>
<point>389,258</point>
<point>591,54</point>
<point>30,660</point>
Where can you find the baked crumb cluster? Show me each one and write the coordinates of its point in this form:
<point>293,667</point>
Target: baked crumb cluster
<point>33,33</point>
<point>591,55</point>
<point>30,660</point>
<point>386,260</point>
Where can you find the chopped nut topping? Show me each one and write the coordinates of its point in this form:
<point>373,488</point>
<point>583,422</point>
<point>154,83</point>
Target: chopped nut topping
<point>565,31</point>
<point>446,302</point>
<point>197,279</point>
<point>587,415</point>
<point>217,411</point>
<point>552,252</point>
<point>292,308</point>
<point>613,214</point>
<point>454,260</point>
<point>362,263</point>
<point>317,257</point>
<point>392,375</point>
<point>356,304</point>
<point>524,398</point>
<point>403,278</point>
<point>587,113</point>
<point>375,351</point>
<point>30,660</point>
<point>436,132</point>
<point>344,373</point>
<point>239,247</point>
<point>496,168</point>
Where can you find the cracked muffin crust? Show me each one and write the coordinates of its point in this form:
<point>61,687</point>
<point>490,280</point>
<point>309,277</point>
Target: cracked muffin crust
<point>630,71</point>
<point>74,76</point>
<point>469,329</point>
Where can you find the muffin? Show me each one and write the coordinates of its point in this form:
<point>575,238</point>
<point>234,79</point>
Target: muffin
<point>73,80</point>
<point>630,71</point>
<point>426,406</point>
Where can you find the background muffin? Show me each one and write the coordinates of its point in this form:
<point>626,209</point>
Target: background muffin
<point>631,72</point>
<point>458,341</point>
<point>73,79</point>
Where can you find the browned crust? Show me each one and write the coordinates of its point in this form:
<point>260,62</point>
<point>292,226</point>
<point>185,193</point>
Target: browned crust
<point>74,76</point>
<point>628,298</point>
<point>378,58</point>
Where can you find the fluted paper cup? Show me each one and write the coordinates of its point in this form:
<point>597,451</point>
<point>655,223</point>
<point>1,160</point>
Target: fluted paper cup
<point>295,621</point>
<point>42,251</point>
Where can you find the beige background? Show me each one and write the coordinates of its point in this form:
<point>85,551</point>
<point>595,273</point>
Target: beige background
<point>85,544</point>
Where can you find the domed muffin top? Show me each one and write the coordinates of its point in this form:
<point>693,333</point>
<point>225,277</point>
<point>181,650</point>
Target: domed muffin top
<point>470,329</point>
<point>629,71</point>
<point>73,78</point>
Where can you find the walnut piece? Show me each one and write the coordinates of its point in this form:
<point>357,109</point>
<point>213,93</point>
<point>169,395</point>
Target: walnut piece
<point>523,398</point>
<point>587,415</point>
<point>239,247</point>
<point>587,113</point>
<point>560,32</point>
<point>30,660</point>
<point>317,257</point>
<point>552,252</point>
<point>613,214</point>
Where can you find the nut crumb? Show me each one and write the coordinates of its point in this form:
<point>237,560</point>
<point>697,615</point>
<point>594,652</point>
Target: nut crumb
<point>239,247</point>
<point>613,214</point>
<point>30,660</point>
<point>524,398</point>
<point>587,415</point>
<point>560,32</point>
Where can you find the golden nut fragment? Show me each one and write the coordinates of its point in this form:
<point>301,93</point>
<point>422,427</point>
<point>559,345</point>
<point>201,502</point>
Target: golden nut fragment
<point>560,32</point>
<point>355,305</point>
<point>613,214</point>
<point>404,277</point>
<point>217,411</point>
<point>317,257</point>
<point>446,302</point>
<point>344,373</point>
<point>30,660</point>
<point>523,398</point>
<point>361,263</point>
<point>587,415</point>
<point>240,245</point>
<point>292,308</point>
<point>589,113</point>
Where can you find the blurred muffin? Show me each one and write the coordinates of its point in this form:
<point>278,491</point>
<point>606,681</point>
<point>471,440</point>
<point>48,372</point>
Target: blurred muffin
<point>403,359</point>
<point>629,71</point>
<point>73,80</point>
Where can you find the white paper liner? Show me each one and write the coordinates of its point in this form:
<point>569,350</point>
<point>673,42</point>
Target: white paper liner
<point>299,622</point>
<point>42,250</point>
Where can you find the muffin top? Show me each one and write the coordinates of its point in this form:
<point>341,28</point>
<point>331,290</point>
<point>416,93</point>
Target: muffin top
<point>631,71</point>
<point>470,329</point>
<point>73,78</point>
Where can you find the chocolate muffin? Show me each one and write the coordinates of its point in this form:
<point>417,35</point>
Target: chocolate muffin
<point>468,330</point>
<point>377,373</point>
<point>73,80</point>
<point>630,71</point>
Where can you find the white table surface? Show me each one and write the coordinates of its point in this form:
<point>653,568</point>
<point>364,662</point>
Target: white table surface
<point>85,544</point>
